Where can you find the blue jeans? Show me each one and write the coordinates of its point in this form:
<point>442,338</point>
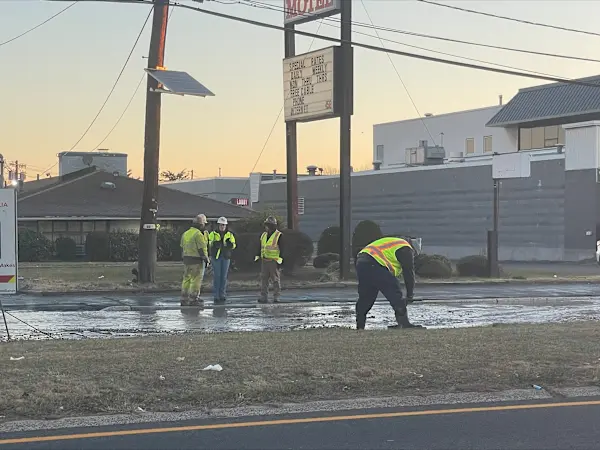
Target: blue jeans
<point>220,271</point>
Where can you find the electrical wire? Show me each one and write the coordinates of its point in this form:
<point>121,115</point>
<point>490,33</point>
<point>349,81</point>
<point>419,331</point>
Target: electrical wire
<point>384,50</point>
<point>135,91</point>
<point>428,36</point>
<point>399,77</point>
<point>512,19</point>
<point>30,326</point>
<point>111,91</point>
<point>278,116</point>
<point>39,25</point>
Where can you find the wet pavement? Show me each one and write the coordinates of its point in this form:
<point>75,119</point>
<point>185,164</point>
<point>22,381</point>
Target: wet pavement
<point>160,318</point>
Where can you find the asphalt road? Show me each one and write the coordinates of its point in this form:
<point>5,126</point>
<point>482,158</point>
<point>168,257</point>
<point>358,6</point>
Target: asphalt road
<point>512,426</point>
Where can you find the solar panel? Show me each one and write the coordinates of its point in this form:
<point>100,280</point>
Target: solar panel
<point>180,83</point>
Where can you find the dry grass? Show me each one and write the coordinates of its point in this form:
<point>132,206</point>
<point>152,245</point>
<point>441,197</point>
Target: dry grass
<point>59,378</point>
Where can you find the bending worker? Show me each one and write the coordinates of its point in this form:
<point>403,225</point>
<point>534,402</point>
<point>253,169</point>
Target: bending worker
<point>378,267</point>
<point>221,243</point>
<point>194,247</point>
<point>271,261</point>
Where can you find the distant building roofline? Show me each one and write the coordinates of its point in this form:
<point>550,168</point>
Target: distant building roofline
<point>418,119</point>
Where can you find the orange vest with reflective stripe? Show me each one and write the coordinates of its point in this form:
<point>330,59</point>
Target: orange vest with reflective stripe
<point>384,252</point>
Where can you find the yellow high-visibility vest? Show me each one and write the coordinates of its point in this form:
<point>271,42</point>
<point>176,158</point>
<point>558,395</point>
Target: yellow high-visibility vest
<point>269,248</point>
<point>384,252</point>
<point>215,236</point>
<point>192,241</point>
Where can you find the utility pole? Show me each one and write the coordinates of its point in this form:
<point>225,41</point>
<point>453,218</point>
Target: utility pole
<point>291,143</point>
<point>156,56</point>
<point>347,89</point>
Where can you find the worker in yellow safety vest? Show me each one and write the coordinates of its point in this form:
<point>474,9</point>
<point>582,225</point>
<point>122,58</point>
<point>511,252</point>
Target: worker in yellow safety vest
<point>378,267</point>
<point>194,249</point>
<point>271,261</point>
<point>221,243</point>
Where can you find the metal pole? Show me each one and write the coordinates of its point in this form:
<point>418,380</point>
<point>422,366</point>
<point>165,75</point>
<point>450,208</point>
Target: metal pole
<point>5,322</point>
<point>291,145</point>
<point>493,239</point>
<point>156,55</point>
<point>345,127</point>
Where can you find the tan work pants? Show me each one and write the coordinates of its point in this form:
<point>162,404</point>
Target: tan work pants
<point>270,272</point>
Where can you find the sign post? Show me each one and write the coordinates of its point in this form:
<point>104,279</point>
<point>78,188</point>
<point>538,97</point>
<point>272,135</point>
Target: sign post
<point>318,85</point>
<point>504,166</point>
<point>8,242</point>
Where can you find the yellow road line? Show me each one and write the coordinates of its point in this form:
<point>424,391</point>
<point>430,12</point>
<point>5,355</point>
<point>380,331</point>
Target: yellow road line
<point>221,426</point>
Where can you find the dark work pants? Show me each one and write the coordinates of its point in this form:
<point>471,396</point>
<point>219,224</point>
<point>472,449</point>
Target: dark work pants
<point>372,279</point>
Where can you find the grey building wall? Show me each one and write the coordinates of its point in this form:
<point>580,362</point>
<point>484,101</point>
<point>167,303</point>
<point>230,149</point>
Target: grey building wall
<point>221,189</point>
<point>451,209</point>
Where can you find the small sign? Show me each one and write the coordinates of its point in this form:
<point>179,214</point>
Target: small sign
<point>8,241</point>
<point>240,201</point>
<point>149,226</point>
<point>300,11</point>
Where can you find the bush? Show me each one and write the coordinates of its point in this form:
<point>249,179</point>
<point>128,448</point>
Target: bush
<point>473,266</point>
<point>247,247</point>
<point>329,242</point>
<point>325,260</point>
<point>365,232</point>
<point>297,249</point>
<point>433,266</point>
<point>97,246</point>
<point>33,246</point>
<point>169,245</point>
<point>123,246</point>
<point>66,249</point>
<point>255,223</point>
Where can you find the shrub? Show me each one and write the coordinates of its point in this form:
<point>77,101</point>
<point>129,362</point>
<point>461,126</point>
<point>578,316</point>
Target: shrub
<point>169,245</point>
<point>33,246</point>
<point>97,246</point>
<point>297,249</point>
<point>123,246</point>
<point>255,223</point>
<point>433,266</point>
<point>329,242</point>
<point>247,247</point>
<point>325,260</point>
<point>473,266</point>
<point>365,232</point>
<point>66,249</point>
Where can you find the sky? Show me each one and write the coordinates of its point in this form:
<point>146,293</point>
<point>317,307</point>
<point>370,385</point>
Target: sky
<point>56,78</point>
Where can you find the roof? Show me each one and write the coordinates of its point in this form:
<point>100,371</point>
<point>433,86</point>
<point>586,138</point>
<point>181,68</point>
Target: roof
<point>84,196</point>
<point>551,104</point>
<point>96,153</point>
<point>437,116</point>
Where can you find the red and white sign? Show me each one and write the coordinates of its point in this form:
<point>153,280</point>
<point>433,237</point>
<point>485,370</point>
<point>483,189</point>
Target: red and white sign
<point>240,201</point>
<point>8,241</point>
<point>299,11</point>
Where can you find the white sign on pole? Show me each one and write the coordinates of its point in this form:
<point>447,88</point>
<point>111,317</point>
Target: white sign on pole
<point>8,241</point>
<point>299,11</point>
<point>511,165</point>
<point>308,85</point>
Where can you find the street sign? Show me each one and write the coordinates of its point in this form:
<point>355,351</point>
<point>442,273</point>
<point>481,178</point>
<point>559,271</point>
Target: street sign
<point>8,241</point>
<point>300,11</point>
<point>309,85</point>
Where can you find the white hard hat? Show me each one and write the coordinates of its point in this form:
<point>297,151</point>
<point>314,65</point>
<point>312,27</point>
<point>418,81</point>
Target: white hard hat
<point>201,219</point>
<point>222,221</point>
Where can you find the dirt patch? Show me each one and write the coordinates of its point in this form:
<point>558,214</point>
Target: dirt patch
<point>61,378</point>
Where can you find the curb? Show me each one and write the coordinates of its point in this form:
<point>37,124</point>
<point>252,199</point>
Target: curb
<point>316,285</point>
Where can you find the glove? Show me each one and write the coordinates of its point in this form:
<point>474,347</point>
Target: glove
<point>279,261</point>
<point>256,258</point>
<point>228,244</point>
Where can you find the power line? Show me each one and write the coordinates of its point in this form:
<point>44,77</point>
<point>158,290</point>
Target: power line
<point>439,38</point>
<point>39,25</point>
<point>135,91</point>
<point>399,77</point>
<point>111,91</point>
<point>512,19</point>
<point>255,4</point>
<point>384,50</point>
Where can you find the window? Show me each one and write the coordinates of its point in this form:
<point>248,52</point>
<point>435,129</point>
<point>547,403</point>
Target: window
<point>88,227</point>
<point>379,153</point>
<point>487,144</point>
<point>470,146</point>
<point>541,137</point>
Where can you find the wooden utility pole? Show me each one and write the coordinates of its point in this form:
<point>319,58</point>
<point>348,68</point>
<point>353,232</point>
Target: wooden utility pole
<point>156,56</point>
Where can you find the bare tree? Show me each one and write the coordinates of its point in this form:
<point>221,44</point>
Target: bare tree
<point>167,175</point>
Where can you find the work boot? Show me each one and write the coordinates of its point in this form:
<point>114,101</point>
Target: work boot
<point>403,322</point>
<point>197,303</point>
<point>361,321</point>
<point>263,300</point>
<point>184,301</point>
<point>219,301</point>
